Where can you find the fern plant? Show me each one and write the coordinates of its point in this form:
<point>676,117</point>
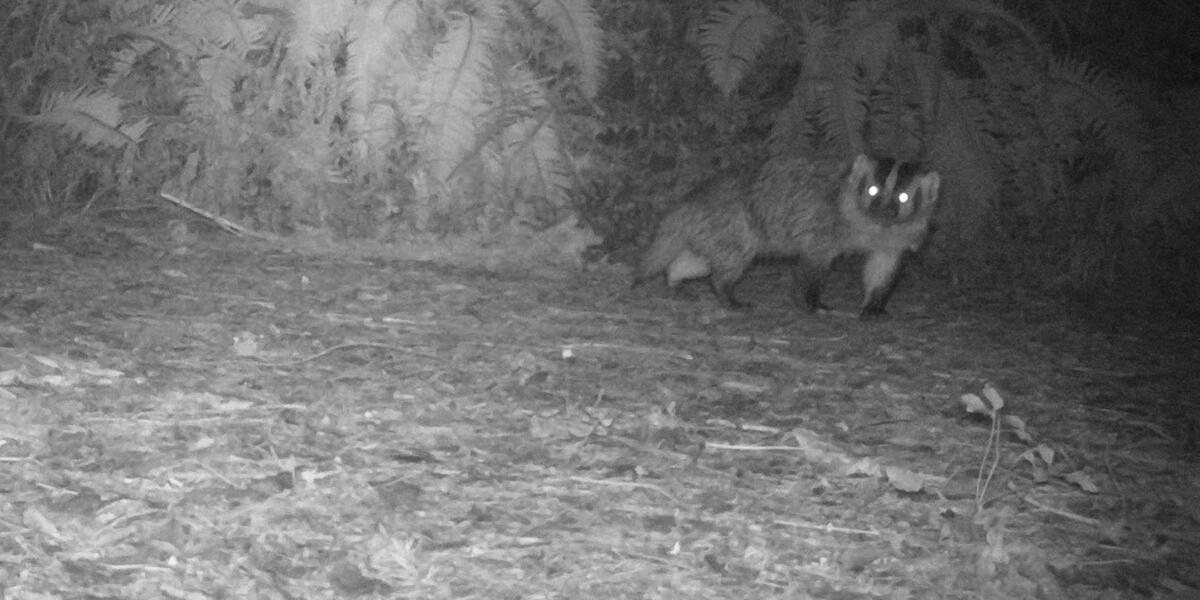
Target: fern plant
<point>440,111</point>
<point>449,83</point>
<point>872,75</point>
<point>967,86</point>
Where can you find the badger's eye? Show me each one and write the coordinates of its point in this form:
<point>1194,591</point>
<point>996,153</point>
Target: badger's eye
<point>904,197</point>
<point>873,190</point>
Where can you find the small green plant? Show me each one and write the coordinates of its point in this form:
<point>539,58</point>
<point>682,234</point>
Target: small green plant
<point>1040,457</point>
<point>994,519</point>
<point>990,406</point>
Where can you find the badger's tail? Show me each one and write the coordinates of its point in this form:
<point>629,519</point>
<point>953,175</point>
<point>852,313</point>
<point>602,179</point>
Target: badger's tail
<point>670,242</point>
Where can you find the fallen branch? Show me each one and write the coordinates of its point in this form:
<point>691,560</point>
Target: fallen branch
<point>221,222</point>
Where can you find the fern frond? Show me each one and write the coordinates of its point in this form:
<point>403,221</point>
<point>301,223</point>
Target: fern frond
<point>795,132</point>
<point>889,124</point>
<point>731,37</point>
<point>123,11</point>
<point>316,21</point>
<point>579,25</point>
<point>871,35</point>
<point>984,11</point>
<point>1168,200</point>
<point>379,79</point>
<point>95,117</point>
<point>792,132</point>
<point>156,30</point>
<point>819,49</point>
<point>841,111</point>
<point>835,93</point>
<point>1112,117</point>
<point>525,90</point>
<point>218,76</point>
<point>452,89</point>
<point>217,23</point>
<point>533,161</point>
<point>121,61</point>
<point>962,150</point>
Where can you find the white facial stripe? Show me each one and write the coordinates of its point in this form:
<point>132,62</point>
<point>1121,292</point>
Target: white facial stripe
<point>894,174</point>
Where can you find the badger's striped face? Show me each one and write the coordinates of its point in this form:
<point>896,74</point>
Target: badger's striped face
<point>892,190</point>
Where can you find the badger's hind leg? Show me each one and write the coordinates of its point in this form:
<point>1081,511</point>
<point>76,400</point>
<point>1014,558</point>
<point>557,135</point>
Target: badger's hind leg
<point>808,277</point>
<point>724,279</point>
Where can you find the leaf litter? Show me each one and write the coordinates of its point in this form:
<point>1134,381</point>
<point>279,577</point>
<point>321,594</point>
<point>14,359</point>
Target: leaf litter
<point>252,423</point>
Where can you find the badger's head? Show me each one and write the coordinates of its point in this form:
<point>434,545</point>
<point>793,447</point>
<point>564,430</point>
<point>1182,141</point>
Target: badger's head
<point>892,191</point>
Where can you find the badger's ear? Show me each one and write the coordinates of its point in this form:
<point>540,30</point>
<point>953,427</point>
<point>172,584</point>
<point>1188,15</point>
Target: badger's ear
<point>929,185</point>
<point>863,166</point>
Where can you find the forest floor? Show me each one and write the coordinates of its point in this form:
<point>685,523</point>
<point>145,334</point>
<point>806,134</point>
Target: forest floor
<point>242,422</point>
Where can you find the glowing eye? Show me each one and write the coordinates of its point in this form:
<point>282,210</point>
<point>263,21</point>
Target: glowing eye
<point>903,197</point>
<point>873,190</point>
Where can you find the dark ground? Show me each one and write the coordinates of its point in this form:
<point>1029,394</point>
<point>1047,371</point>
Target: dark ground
<point>251,423</point>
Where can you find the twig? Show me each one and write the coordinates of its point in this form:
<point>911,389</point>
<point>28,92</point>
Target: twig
<point>751,448</point>
<point>827,528</point>
<point>1062,513</point>
<point>328,351</point>
<point>221,222</point>
<point>633,484</point>
<point>642,349</point>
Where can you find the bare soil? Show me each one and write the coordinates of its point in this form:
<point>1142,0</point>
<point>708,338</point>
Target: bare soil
<point>242,422</point>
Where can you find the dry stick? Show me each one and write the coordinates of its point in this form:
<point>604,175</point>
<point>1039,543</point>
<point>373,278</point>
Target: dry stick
<point>221,222</point>
<point>632,484</point>
<point>329,351</point>
<point>827,528</point>
<point>1062,513</point>
<point>638,348</point>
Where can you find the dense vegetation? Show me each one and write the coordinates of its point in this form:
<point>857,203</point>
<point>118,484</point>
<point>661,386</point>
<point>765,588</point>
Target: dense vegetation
<point>1064,130</point>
